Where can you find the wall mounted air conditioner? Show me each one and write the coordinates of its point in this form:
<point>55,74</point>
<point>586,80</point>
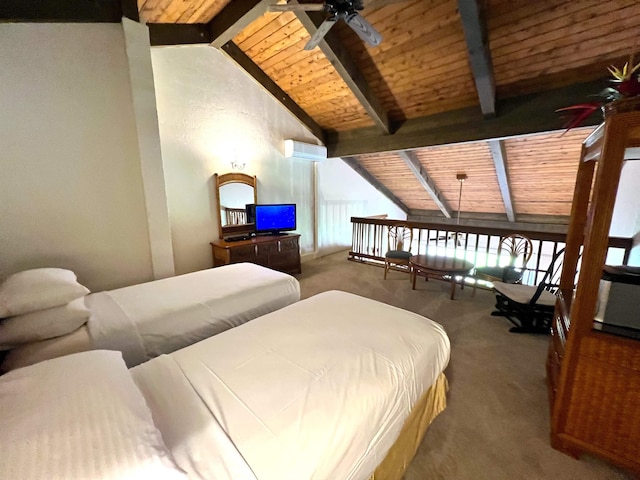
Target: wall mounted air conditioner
<point>305,151</point>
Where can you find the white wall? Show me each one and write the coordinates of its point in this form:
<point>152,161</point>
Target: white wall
<point>81,178</point>
<point>343,194</point>
<point>626,213</point>
<point>71,192</point>
<point>627,208</point>
<point>210,113</point>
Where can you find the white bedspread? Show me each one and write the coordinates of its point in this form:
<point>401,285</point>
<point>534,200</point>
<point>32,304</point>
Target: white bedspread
<point>317,390</point>
<point>149,319</point>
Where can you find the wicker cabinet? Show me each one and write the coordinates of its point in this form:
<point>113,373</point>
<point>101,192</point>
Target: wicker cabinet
<point>280,252</point>
<point>593,376</point>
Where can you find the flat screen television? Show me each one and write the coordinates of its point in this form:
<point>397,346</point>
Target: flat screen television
<point>274,218</point>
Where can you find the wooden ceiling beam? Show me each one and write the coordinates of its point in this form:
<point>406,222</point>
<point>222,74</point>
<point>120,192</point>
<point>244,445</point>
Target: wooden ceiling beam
<point>477,39</point>
<point>69,11</point>
<point>373,181</point>
<point>346,67</point>
<point>162,34</point>
<point>234,18</point>
<point>552,224</point>
<point>499,155</point>
<point>425,180</point>
<point>237,55</point>
<point>522,115</point>
<point>130,10</point>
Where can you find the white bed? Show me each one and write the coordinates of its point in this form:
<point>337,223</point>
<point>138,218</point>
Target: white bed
<point>149,319</point>
<point>320,389</point>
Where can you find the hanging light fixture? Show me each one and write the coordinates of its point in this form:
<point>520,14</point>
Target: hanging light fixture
<point>461,177</point>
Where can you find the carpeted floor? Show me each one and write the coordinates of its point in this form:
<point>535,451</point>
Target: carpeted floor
<point>496,425</point>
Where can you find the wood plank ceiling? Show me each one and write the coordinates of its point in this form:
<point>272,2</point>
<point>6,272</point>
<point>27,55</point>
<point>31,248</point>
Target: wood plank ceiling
<point>451,89</point>
<point>455,86</point>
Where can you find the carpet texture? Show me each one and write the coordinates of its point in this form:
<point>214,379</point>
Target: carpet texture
<point>496,425</point>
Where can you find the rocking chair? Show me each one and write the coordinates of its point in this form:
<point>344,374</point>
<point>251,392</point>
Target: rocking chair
<point>530,308</point>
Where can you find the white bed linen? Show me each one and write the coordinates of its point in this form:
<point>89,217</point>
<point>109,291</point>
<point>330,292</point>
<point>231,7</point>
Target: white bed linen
<point>317,390</point>
<point>149,319</point>
<point>79,417</point>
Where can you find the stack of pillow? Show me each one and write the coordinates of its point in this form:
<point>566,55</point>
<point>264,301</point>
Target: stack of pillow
<point>40,304</point>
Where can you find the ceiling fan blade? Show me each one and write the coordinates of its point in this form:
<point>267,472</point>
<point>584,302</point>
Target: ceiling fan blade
<point>297,7</point>
<point>364,29</point>
<point>319,34</point>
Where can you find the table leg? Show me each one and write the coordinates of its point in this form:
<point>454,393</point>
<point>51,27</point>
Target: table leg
<point>413,278</point>
<point>453,287</point>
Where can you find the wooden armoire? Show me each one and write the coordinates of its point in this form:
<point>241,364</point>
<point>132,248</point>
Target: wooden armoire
<point>594,376</point>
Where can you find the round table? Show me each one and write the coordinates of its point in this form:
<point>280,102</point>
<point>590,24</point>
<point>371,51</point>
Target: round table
<point>440,268</point>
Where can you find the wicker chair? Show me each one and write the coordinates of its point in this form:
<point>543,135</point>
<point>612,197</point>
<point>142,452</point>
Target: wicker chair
<point>399,253</point>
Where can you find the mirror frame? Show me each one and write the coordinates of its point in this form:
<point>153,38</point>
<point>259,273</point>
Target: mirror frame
<point>224,179</point>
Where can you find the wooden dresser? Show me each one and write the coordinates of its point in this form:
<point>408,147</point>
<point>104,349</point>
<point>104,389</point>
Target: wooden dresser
<point>594,376</point>
<point>280,252</point>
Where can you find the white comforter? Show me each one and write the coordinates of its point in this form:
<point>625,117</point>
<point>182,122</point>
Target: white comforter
<point>149,319</point>
<point>317,390</point>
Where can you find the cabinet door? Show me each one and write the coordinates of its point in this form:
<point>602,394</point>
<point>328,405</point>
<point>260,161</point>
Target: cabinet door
<point>288,244</point>
<point>286,261</point>
<point>245,253</point>
<point>265,249</point>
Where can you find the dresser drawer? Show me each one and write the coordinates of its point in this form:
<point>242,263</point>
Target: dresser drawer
<point>276,252</point>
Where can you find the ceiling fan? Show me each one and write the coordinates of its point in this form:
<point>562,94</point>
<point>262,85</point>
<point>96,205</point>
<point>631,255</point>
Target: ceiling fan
<point>346,10</point>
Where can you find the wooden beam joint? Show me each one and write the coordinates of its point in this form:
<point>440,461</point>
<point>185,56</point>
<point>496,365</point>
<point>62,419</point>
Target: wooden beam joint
<point>234,18</point>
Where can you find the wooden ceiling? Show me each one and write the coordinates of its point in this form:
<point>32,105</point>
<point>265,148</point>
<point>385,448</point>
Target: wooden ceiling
<point>455,86</point>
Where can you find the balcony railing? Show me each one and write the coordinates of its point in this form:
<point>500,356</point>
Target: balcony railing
<point>478,245</point>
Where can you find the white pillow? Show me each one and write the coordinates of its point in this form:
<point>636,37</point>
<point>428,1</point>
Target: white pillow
<point>30,353</point>
<point>43,324</point>
<point>37,289</point>
<point>79,417</point>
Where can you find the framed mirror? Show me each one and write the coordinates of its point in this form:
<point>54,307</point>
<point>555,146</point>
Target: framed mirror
<point>233,192</point>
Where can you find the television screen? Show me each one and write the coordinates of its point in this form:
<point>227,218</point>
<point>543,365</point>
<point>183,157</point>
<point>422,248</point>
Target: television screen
<point>275,218</point>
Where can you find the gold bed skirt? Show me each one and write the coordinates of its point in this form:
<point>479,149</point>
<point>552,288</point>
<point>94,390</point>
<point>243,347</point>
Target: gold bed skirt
<point>432,402</point>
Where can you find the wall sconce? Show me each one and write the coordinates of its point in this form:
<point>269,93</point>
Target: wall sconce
<point>236,165</point>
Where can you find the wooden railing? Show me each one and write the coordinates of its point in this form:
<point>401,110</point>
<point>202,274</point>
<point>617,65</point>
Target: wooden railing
<point>478,245</point>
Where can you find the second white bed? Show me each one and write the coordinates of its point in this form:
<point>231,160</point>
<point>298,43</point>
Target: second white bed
<point>148,319</point>
<point>319,389</point>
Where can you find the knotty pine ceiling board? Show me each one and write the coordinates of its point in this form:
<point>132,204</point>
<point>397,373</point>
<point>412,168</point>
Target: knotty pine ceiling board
<point>480,191</point>
<point>534,42</point>
<point>392,172</point>
<point>179,11</point>
<point>544,163</point>
<point>421,67</point>
<point>275,43</point>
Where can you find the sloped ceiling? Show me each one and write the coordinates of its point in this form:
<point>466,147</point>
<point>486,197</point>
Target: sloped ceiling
<point>456,86</point>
